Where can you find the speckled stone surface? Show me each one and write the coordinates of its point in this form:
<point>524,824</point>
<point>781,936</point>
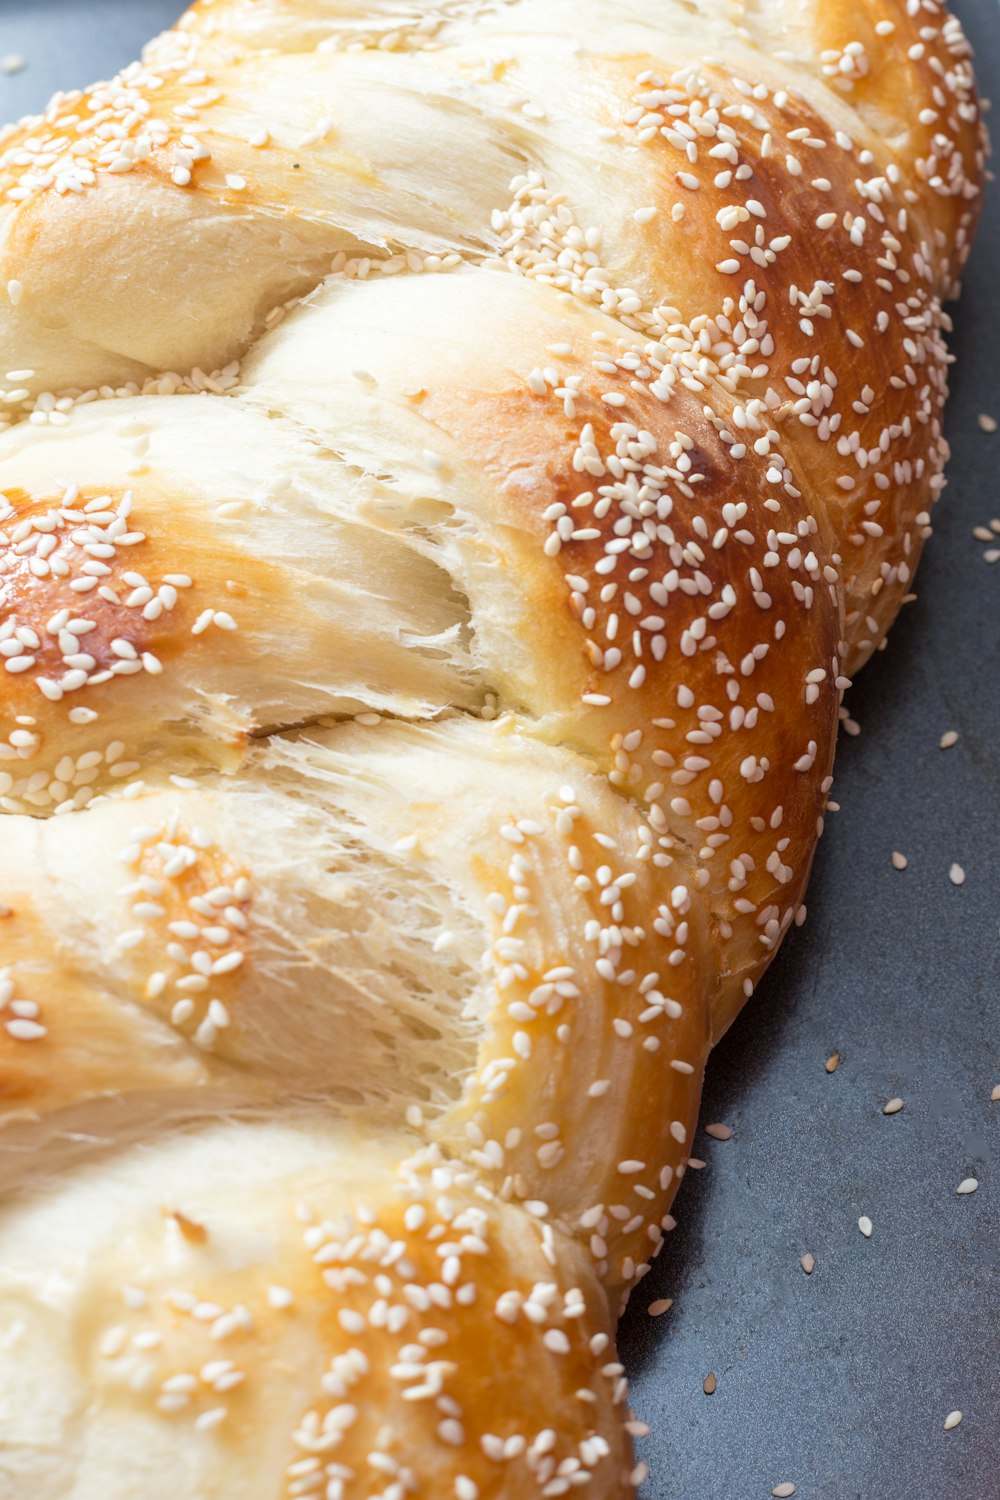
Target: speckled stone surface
<point>838,1382</point>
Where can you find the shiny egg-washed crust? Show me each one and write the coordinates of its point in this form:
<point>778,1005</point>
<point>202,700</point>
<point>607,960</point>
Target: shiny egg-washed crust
<point>454,457</point>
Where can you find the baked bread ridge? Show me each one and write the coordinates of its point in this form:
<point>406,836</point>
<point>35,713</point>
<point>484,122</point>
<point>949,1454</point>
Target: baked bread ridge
<point>418,728</point>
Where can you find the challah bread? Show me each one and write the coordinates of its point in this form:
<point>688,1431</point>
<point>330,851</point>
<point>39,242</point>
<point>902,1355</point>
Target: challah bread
<point>315,1324</point>
<point>455,457</point>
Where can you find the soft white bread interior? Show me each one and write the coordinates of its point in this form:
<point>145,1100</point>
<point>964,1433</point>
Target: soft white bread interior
<point>430,903</point>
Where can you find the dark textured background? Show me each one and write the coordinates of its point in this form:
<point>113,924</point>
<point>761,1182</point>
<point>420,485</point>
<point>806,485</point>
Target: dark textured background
<point>839,1382</point>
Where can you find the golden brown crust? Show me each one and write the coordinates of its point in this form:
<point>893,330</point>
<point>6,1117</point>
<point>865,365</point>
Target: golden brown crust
<point>697,613</point>
<point>908,71</point>
<point>818,230</point>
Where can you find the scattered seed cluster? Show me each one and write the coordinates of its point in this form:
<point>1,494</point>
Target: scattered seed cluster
<point>991,536</point>
<point>21,1019</point>
<point>192,921</point>
<point>81,611</point>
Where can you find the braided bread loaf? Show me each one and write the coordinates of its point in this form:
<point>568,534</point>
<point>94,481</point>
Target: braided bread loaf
<point>416,730</point>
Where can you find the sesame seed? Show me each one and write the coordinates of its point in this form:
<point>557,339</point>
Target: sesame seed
<point>833,1062</point>
<point>899,861</point>
<point>207,1421</point>
<point>719,1132</point>
<point>986,422</point>
<point>866,1226</point>
<point>956,875</point>
<point>783,1491</point>
<point>710,1384</point>
<point>660,1306</point>
<point>25,1031</point>
<point>952,1420</point>
<point>949,739</point>
<point>893,1107</point>
<point>808,1263</point>
<point>966,1186</point>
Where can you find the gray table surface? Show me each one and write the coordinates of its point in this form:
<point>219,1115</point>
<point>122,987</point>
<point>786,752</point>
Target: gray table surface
<point>838,1382</point>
